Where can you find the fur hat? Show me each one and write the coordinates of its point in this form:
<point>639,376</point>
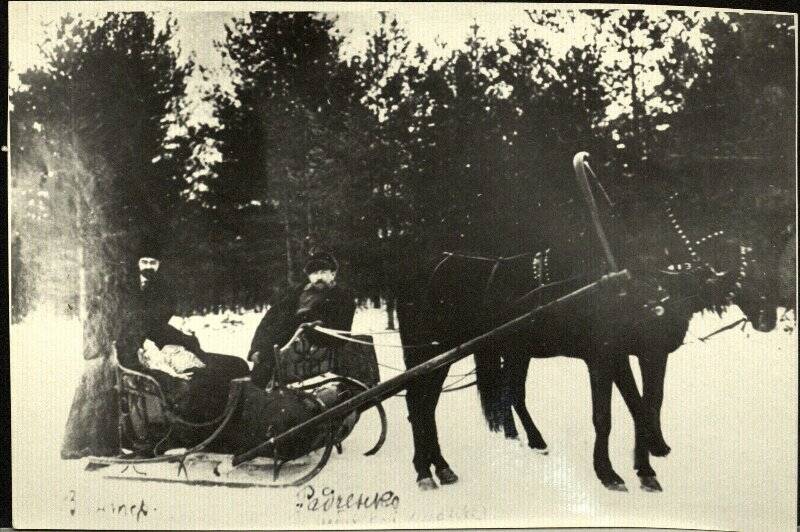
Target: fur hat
<point>320,260</point>
<point>149,245</point>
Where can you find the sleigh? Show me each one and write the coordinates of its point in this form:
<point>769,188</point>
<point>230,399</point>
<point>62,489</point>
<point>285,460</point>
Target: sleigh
<point>160,442</point>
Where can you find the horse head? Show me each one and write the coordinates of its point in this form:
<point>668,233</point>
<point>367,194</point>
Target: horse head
<point>717,270</point>
<point>738,277</point>
<point>754,291</point>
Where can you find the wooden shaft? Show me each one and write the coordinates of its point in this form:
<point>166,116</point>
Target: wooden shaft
<point>578,163</point>
<point>388,388</point>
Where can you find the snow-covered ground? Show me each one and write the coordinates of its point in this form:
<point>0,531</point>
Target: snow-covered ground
<point>730,416</point>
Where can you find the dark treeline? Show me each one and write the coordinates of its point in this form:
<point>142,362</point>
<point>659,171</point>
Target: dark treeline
<point>384,156</point>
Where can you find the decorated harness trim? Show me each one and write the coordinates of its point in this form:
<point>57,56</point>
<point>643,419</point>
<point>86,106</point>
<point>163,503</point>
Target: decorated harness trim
<point>541,266</point>
<point>686,266</point>
<point>676,226</point>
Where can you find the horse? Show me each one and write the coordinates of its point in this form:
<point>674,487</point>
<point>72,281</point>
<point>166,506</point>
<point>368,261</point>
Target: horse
<point>689,292</point>
<point>468,295</point>
<point>735,277</point>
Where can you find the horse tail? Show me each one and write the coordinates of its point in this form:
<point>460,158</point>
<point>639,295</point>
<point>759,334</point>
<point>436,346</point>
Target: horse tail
<point>489,380</point>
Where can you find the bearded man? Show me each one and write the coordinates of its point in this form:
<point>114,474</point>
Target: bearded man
<point>321,299</point>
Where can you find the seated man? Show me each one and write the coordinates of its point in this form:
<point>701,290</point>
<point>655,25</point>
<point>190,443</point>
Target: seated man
<point>321,299</point>
<point>202,392</point>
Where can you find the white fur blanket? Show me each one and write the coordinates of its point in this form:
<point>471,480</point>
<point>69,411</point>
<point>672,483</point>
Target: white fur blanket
<point>172,359</point>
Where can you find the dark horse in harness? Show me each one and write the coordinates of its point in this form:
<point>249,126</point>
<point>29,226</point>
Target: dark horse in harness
<point>502,375</point>
<point>469,295</point>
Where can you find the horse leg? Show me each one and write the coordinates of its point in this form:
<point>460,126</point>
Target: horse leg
<point>443,471</point>
<point>417,394</point>
<point>519,375</point>
<point>641,454</point>
<point>421,398</point>
<point>654,367</point>
<point>507,400</point>
<point>601,380</point>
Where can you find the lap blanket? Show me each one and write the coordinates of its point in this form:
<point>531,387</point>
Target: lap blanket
<point>174,360</point>
<point>203,395</point>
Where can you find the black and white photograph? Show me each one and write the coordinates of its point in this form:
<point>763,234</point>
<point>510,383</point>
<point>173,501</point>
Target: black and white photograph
<point>319,265</point>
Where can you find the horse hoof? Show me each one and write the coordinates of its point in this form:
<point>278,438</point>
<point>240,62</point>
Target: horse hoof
<point>659,448</point>
<point>544,451</point>
<point>650,484</point>
<point>615,486</point>
<point>427,484</point>
<point>446,476</point>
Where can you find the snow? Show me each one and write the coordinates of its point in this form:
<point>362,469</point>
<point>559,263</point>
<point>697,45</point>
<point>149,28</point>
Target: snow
<point>730,415</point>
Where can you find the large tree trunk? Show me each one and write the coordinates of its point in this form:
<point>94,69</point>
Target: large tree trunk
<point>92,423</point>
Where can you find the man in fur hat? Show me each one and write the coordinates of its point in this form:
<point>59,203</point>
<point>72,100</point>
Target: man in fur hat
<point>150,305</point>
<point>199,392</point>
<point>321,299</point>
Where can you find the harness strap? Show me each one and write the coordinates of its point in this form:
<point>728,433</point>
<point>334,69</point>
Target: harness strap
<point>599,184</point>
<point>486,259</point>
<point>723,328</point>
<point>351,333</point>
<point>525,298</point>
<point>337,334</point>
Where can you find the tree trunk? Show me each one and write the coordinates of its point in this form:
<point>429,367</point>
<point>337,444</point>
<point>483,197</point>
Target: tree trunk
<point>787,268</point>
<point>287,227</point>
<point>289,258</point>
<point>91,427</point>
<point>77,192</point>
<point>82,299</point>
<point>92,423</point>
<point>390,306</point>
<point>309,221</point>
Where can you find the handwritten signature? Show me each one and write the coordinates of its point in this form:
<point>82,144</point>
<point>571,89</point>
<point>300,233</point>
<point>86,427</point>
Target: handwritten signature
<point>327,499</point>
<point>137,510</point>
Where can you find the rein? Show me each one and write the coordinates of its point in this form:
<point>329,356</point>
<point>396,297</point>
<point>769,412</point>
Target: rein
<point>344,335</point>
<point>487,259</point>
<point>723,328</point>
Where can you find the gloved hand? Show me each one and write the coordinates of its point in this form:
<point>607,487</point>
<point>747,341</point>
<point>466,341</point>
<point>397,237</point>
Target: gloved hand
<point>263,372</point>
<point>258,356</point>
